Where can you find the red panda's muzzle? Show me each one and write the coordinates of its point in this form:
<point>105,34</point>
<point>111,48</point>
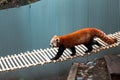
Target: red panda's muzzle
<point>53,45</point>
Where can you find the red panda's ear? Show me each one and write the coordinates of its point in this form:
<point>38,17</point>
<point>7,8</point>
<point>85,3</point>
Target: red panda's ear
<point>55,35</point>
<point>57,40</point>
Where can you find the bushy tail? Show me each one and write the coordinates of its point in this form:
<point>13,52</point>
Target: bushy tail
<point>100,34</point>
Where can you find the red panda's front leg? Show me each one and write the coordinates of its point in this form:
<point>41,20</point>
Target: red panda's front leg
<point>59,53</point>
<point>89,47</point>
<point>73,51</point>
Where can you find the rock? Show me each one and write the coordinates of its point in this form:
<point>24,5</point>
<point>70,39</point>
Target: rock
<point>91,63</point>
<point>79,78</point>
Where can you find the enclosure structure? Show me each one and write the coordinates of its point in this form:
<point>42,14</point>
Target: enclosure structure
<point>32,26</point>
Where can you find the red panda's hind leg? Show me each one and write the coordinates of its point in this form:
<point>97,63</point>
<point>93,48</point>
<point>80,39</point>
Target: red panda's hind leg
<point>96,42</point>
<point>73,51</point>
<point>59,53</point>
<point>89,46</point>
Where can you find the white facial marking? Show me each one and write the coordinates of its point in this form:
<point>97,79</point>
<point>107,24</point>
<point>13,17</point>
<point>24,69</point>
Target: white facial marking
<point>54,41</point>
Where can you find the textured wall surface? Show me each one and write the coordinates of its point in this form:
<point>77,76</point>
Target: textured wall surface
<point>32,26</point>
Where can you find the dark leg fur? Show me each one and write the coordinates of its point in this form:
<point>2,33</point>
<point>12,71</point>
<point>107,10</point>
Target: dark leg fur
<point>95,42</point>
<point>73,51</point>
<point>59,53</point>
<point>90,48</point>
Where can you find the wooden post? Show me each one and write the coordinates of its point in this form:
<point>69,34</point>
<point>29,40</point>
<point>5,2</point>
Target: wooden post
<point>73,72</point>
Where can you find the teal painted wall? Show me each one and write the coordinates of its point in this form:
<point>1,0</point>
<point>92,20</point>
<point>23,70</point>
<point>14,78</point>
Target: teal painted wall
<point>15,33</point>
<point>56,17</point>
<point>104,14</point>
<point>32,26</point>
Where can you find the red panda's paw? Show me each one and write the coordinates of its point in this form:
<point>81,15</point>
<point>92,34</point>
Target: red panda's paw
<point>55,58</point>
<point>87,51</point>
<point>72,54</point>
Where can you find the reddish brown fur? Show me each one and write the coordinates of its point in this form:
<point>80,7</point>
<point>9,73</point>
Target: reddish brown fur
<point>84,36</point>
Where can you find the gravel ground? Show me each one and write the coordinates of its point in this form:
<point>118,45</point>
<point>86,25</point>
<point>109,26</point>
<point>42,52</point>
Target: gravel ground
<point>100,71</point>
<point>93,70</point>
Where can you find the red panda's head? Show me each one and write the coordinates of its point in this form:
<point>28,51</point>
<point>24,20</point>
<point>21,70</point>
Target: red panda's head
<point>55,41</point>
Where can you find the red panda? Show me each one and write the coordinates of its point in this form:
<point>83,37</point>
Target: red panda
<point>83,36</point>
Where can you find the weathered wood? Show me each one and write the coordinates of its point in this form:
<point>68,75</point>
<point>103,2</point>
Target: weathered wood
<point>73,72</point>
<point>113,65</point>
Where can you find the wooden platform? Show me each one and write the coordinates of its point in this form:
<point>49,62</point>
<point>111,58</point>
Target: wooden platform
<point>106,68</point>
<point>113,65</point>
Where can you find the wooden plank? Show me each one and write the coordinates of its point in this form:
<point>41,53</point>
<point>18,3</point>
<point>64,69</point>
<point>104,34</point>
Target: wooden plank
<point>113,64</point>
<point>73,72</point>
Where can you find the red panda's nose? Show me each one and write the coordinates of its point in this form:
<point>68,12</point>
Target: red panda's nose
<point>51,45</point>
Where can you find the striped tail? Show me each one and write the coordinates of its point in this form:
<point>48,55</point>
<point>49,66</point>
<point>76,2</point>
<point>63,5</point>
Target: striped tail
<point>100,34</point>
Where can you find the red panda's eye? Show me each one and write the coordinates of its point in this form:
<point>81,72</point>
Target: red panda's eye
<point>57,40</point>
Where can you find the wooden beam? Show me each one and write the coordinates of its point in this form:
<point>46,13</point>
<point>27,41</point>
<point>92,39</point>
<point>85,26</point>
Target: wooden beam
<point>73,72</point>
<point>113,65</point>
